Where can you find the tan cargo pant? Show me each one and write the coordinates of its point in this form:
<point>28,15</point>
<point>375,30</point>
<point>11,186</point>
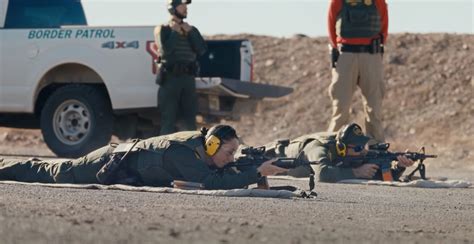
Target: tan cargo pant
<point>364,70</point>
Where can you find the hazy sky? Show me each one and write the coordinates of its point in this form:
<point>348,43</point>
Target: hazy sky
<point>281,17</point>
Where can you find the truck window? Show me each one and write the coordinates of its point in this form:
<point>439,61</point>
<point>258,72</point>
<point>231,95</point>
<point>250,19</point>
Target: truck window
<point>44,14</point>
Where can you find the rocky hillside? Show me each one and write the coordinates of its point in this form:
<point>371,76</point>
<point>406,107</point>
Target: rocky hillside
<point>429,92</point>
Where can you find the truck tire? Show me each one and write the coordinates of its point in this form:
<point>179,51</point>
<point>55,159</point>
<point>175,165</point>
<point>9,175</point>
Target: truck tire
<point>76,119</point>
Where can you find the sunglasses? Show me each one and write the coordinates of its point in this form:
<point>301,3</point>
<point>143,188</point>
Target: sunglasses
<point>358,148</point>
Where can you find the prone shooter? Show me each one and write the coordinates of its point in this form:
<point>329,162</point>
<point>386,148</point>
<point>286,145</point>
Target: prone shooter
<point>342,155</point>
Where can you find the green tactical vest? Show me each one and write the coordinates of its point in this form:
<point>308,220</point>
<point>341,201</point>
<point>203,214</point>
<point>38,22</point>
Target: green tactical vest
<point>149,163</point>
<point>358,19</point>
<point>183,51</point>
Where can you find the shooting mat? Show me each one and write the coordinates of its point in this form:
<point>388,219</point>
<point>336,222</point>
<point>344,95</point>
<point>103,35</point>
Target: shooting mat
<point>223,193</point>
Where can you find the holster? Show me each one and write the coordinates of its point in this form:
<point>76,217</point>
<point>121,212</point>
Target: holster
<point>161,72</point>
<point>376,46</point>
<point>334,57</point>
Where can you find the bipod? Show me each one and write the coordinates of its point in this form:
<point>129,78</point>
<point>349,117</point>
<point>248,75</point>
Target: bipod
<point>420,167</point>
<point>310,193</point>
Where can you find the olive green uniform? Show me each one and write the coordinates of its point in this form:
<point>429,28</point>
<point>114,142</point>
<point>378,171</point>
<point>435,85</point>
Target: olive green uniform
<point>319,150</point>
<point>177,93</point>
<point>158,161</point>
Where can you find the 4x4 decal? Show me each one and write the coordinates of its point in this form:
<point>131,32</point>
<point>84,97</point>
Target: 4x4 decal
<point>118,45</point>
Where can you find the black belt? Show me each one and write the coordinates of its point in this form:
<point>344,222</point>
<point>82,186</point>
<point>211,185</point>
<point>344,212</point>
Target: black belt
<point>182,68</point>
<point>359,49</point>
<point>356,48</point>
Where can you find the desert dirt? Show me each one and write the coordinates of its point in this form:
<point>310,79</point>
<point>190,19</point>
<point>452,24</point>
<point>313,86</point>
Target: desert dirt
<point>428,102</point>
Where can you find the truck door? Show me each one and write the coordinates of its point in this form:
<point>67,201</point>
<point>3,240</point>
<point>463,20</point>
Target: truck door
<point>30,28</point>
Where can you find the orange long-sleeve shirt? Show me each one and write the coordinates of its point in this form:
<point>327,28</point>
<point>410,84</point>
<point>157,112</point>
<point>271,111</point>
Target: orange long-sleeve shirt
<point>336,6</point>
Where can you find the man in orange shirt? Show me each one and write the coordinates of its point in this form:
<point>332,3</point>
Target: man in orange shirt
<point>357,31</point>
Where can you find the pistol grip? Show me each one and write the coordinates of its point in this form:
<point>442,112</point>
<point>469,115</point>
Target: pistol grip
<point>263,184</point>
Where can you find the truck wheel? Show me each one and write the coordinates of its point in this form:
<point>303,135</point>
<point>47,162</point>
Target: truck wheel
<point>76,119</point>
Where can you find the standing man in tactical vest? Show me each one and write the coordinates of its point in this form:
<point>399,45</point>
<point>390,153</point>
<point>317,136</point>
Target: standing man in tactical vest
<point>179,45</point>
<point>357,31</point>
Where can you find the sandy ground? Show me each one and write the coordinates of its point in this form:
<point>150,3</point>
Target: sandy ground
<point>341,214</point>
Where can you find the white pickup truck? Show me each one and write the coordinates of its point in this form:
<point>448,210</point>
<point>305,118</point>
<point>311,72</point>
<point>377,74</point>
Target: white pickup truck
<point>80,84</point>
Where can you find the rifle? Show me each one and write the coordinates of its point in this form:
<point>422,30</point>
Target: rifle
<point>255,156</point>
<point>378,154</point>
<point>252,156</point>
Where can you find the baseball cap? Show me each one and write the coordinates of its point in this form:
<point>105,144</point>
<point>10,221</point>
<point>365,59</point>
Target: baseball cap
<point>352,134</point>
